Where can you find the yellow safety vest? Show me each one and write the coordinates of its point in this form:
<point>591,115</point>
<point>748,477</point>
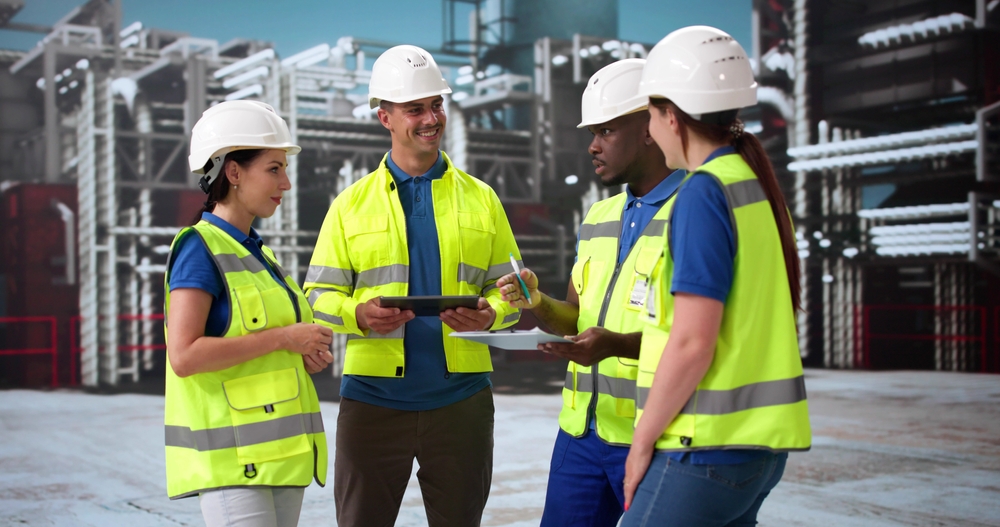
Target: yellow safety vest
<point>753,395</point>
<point>256,424</point>
<point>610,297</point>
<point>362,254</point>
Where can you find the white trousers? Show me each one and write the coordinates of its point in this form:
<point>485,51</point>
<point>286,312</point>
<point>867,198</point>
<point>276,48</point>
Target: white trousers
<point>252,507</point>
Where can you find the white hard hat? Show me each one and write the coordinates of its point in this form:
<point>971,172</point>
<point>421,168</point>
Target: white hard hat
<point>613,92</point>
<point>702,70</point>
<point>403,74</point>
<point>235,125</point>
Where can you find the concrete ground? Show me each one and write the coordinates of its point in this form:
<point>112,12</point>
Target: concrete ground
<point>890,449</point>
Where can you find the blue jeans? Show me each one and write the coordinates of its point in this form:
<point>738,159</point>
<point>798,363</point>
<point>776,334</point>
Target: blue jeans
<point>677,493</point>
<point>585,482</point>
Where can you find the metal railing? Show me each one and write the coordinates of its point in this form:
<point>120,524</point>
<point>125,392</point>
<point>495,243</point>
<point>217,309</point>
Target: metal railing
<point>50,350</point>
<point>869,336</point>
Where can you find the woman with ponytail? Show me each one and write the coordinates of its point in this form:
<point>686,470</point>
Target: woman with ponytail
<point>243,428</point>
<point>720,392</point>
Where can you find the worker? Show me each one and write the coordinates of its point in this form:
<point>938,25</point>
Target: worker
<point>416,226</point>
<point>718,414</point>
<point>619,240</point>
<point>243,424</point>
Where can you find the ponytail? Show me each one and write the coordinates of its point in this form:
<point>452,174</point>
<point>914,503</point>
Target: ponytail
<point>219,189</point>
<point>750,149</point>
<point>724,127</point>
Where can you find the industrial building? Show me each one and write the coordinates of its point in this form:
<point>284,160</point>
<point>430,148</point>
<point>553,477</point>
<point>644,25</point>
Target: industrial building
<point>880,117</point>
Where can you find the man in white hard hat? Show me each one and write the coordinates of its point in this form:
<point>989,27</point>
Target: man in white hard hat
<point>416,226</point>
<point>619,239</point>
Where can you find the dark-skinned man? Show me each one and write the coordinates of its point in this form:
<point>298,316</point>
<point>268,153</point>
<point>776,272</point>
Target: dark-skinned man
<point>619,241</point>
<point>416,226</point>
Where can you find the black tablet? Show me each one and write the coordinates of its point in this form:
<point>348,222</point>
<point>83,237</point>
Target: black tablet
<point>429,306</point>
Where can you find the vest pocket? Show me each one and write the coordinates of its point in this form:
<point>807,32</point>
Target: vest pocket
<point>266,410</point>
<point>627,369</point>
<point>251,305</point>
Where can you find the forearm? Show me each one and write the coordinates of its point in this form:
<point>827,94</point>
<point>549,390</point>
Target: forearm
<point>628,346</point>
<point>208,354</point>
<point>682,366</point>
<point>559,315</point>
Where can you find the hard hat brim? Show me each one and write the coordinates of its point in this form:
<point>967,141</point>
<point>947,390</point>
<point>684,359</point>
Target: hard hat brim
<point>373,102</point>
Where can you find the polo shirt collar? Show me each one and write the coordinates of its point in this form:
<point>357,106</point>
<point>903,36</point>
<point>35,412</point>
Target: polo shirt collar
<point>232,231</point>
<point>660,193</point>
<point>436,171</point>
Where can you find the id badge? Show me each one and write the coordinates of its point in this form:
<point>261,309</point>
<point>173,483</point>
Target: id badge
<point>638,295</point>
<point>651,305</point>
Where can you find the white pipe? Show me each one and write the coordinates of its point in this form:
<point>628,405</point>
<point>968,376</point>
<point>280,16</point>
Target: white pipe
<point>69,224</point>
<point>267,54</point>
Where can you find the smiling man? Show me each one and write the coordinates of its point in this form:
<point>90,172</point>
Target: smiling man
<point>416,226</point>
<point>620,239</point>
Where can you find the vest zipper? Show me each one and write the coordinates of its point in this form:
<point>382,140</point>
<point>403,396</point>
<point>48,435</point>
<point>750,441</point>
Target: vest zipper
<point>595,369</point>
<point>291,296</point>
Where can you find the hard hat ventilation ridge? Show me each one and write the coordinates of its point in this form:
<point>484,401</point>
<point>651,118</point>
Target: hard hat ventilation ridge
<point>720,38</point>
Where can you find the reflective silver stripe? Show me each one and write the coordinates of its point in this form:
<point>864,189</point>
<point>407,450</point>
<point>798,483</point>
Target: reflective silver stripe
<point>394,334</point>
<point>318,292</point>
<point>383,275</point>
<point>243,435</point>
<point>231,263</point>
<point>607,229</point>
<point>613,386</point>
<point>489,288</point>
<point>654,228</point>
<point>616,387</point>
<point>332,319</point>
<point>585,381</point>
<point>495,272</point>
<point>756,395</point>
<point>330,275</point>
<point>471,275</point>
<point>511,318</point>
<point>744,193</point>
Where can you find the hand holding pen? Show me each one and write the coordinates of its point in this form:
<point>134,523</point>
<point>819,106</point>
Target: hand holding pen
<point>520,288</point>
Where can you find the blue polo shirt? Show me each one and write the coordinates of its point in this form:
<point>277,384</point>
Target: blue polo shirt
<point>639,211</point>
<point>191,266</point>
<point>426,383</point>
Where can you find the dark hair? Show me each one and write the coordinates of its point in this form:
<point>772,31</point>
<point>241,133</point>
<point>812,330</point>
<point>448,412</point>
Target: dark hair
<point>219,188</point>
<point>386,105</point>
<point>719,129</point>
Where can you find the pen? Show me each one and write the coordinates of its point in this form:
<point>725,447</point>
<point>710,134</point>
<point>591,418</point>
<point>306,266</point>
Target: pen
<point>517,272</point>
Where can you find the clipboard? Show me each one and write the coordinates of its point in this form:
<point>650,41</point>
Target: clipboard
<point>429,306</point>
<point>511,339</point>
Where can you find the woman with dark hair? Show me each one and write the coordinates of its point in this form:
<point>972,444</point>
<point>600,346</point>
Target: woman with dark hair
<point>243,424</point>
<point>721,397</point>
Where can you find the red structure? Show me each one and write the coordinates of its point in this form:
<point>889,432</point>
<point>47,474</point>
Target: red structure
<point>39,277</point>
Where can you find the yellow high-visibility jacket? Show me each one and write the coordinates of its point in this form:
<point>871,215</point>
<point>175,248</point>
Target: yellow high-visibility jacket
<point>362,254</point>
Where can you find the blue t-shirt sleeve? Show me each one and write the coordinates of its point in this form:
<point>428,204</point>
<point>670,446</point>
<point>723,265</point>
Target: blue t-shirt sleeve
<point>193,267</point>
<point>702,243</point>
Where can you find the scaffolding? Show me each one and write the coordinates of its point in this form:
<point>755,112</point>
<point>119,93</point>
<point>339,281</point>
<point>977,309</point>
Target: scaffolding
<point>119,103</point>
<point>892,148</point>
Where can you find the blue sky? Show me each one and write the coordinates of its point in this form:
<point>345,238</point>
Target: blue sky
<point>294,26</point>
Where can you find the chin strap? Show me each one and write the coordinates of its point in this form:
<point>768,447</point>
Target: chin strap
<point>206,181</point>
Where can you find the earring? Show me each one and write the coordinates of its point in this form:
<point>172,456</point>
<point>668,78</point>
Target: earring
<point>236,186</point>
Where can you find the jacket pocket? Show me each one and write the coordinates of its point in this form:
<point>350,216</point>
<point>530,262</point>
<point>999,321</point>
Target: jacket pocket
<point>266,410</point>
<point>368,240</point>
<point>476,233</point>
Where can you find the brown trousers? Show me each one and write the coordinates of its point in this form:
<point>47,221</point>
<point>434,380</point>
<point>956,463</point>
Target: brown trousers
<point>375,450</point>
